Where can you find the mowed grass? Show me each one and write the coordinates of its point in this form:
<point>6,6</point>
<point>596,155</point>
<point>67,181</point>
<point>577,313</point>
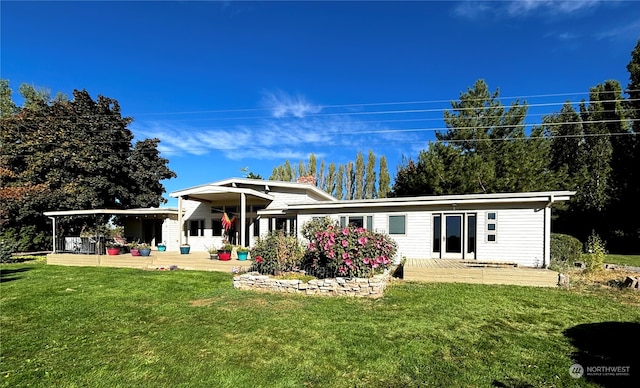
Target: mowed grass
<point>632,260</point>
<point>107,327</point>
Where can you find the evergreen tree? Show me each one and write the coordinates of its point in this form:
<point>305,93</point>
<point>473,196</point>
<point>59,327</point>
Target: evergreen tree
<point>339,194</point>
<point>359,177</point>
<point>384,180</point>
<point>370,176</point>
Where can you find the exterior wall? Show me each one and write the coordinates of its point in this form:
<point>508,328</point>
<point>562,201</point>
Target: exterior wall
<point>519,237</point>
<point>170,233</point>
<point>520,233</point>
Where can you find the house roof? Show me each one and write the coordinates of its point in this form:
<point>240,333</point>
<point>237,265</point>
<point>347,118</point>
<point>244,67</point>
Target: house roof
<point>124,212</point>
<point>546,197</point>
<point>230,189</point>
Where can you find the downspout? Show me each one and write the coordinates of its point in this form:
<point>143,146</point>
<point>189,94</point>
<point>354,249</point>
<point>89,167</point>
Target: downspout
<point>53,219</point>
<point>546,261</point>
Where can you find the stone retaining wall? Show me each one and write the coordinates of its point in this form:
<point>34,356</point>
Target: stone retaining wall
<point>359,287</point>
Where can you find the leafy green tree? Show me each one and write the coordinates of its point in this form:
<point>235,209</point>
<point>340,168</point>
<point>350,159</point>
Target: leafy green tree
<point>76,154</point>
<point>358,179</point>
<point>349,181</point>
<point>370,176</point>
<point>385,179</point>
<point>330,182</point>
<point>7,106</point>
<point>339,193</point>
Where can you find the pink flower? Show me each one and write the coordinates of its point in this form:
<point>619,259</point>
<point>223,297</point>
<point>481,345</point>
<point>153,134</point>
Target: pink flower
<point>375,265</point>
<point>348,263</point>
<point>362,240</point>
<point>365,260</point>
<point>342,270</point>
<point>345,231</point>
<point>345,243</point>
<point>345,256</point>
<point>259,259</point>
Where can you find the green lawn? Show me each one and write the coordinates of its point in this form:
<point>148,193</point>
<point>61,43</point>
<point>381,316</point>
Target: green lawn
<point>633,260</point>
<point>103,327</point>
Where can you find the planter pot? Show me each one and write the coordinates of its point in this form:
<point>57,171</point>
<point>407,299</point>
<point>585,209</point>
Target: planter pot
<point>135,252</point>
<point>145,252</point>
<point>243,256</point>
<point>113,251</point>
<point>224,256</point>
<point>162,248</point>
<point>185,250</point>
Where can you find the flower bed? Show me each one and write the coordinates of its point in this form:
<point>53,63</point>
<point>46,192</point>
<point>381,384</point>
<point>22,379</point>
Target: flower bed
<point>372,287</point>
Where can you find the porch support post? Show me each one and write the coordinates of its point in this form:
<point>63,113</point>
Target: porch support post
<point>55,248</point>
<point>243,218</point>
<point>180,221</point>
<point>547,237</point>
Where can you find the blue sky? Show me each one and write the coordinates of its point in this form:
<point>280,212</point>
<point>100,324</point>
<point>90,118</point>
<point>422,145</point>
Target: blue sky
<point>229,85</point>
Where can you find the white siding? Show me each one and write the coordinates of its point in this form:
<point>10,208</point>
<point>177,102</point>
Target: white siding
<point>519,237</point>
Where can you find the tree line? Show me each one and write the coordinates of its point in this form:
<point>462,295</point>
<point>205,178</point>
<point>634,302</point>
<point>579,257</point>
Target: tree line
<point>591,147</point>
<point>351,180</point>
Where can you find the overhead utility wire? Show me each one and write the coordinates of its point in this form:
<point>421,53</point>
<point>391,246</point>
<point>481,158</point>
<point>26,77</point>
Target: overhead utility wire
<point>378,103</point>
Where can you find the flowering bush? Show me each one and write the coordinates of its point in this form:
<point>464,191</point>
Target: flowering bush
<point>277,252</point>
<point>349,251</point>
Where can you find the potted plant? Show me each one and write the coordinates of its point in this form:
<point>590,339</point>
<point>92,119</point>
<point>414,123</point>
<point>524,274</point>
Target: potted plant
<point>162,247</point>
<point>224,253</point>
<point>134,250</point>
<point>113,248</point>
<point>185,248</point>
<point>243,253</point>
<point>145,249</point>
<point>213,253</point>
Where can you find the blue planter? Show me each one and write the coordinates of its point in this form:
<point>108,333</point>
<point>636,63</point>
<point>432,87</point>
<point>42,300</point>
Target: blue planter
<point>162,248</point>
<point>145,252</point>
<point>184,250</point>
<point>243,255</point>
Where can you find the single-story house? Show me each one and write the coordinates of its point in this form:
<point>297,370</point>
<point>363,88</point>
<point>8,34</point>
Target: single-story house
<point>501,227</point>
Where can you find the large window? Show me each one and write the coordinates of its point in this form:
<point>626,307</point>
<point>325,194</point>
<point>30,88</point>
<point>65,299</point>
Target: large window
<point>196,228</point>
<point>397,224</point>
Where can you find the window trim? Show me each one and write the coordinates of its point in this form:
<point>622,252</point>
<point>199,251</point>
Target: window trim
<point>200,228</point>
<point>404,224</point>
<point>366,217</point>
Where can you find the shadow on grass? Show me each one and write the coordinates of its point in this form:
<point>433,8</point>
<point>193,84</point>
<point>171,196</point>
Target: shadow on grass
<point>607,351</point>
<point>7,275</point>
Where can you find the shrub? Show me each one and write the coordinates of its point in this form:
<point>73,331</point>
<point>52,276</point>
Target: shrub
<point>277,252</point>
<point>7,247</point>
<point>350,251</point>
<point>565,250</point>
<point>594,258</point>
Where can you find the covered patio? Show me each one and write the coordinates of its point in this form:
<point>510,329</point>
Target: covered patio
<point>141,225</point>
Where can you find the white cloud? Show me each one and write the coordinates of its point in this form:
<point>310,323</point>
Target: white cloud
<point>284,105</point>
<point>521,8</point>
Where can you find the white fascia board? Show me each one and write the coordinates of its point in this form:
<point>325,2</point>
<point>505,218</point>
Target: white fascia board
<point>271,212</point>
<point>266,184</point>
<point>541,197</point>
<point>139,211</point>
<point>212,189</point>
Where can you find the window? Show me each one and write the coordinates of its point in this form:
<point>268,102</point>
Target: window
<point>357,221</point>
<point>471,233</point>
<point>196,228</point>
<point>492,226</point>
<point>216,227</point>
<point>397,224</point>
<point>436,233</point>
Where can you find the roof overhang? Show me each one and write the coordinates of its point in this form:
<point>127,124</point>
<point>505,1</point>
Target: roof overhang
<point>114,212</point>
<point>543,198</point>
<point>220,194</point>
